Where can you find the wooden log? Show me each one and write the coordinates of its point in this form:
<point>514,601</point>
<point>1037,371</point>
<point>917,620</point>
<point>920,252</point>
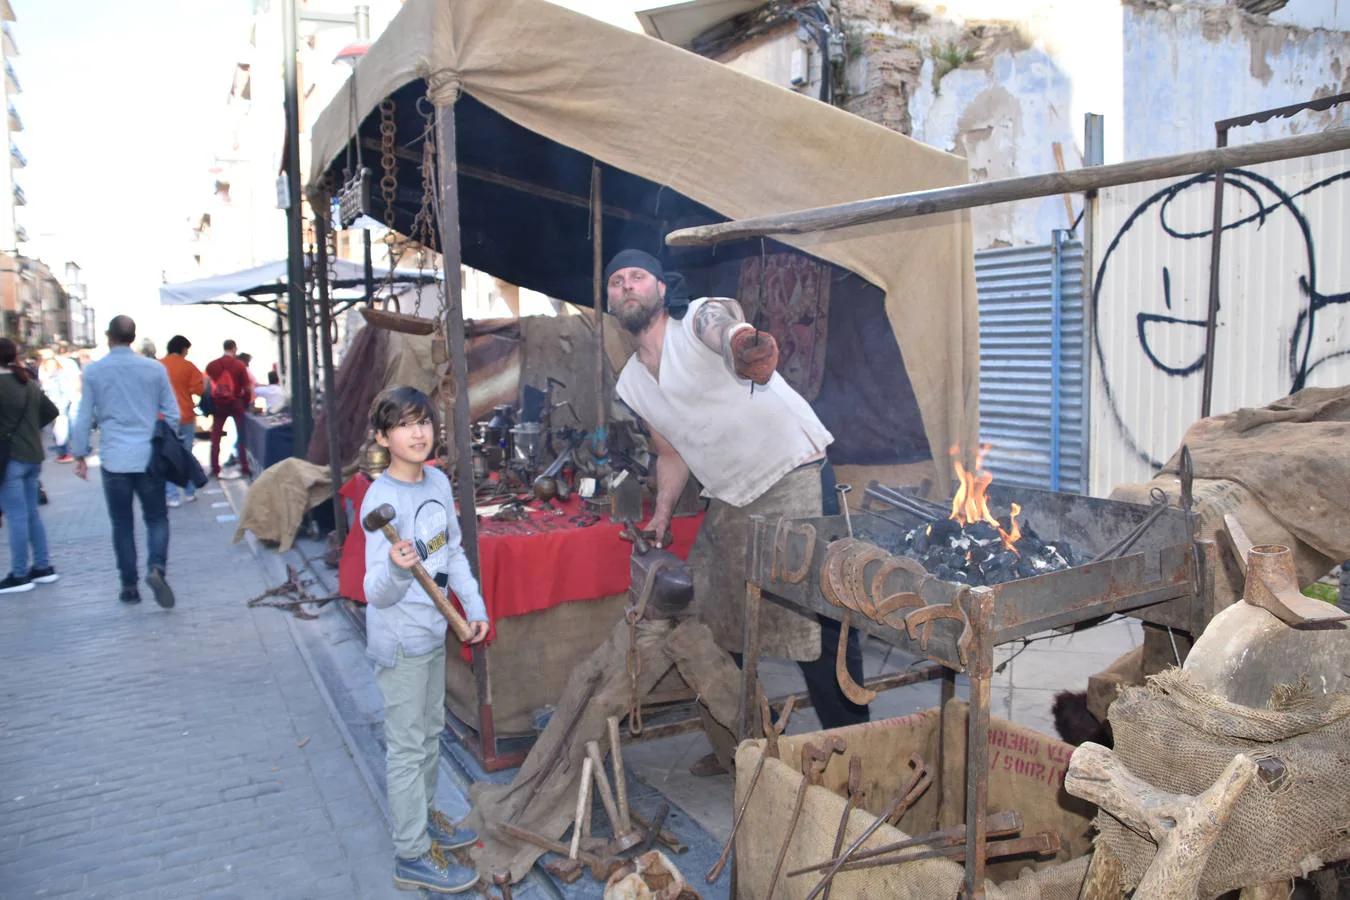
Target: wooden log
<point>1008,190</point>
<point>1185,828</point>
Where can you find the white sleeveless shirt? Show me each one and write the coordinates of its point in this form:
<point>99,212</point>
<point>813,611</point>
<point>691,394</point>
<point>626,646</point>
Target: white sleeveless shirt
<point>737,444</point>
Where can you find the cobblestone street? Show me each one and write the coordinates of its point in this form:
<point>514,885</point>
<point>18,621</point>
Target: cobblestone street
<point>183,753</point>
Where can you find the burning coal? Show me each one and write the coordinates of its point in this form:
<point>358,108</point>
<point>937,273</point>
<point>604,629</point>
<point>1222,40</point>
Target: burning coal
<point>974,546</point>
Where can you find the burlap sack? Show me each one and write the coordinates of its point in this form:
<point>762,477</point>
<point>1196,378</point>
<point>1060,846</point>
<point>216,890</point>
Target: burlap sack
<point>1026,773</point>
<point>1179,738</point>
<point>1215,499</point>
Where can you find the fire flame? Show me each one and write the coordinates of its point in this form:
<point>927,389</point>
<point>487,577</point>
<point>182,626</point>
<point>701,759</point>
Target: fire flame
<point>970,504</point>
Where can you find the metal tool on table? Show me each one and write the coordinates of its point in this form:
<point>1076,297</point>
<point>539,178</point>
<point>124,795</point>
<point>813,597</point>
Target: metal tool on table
<point>815,758</point>
<point>772,731</point>
<point>381,519</point>
<point>999,824</point>
<point>622,840</point>
<point>854,787</point>
<point>904,799</point>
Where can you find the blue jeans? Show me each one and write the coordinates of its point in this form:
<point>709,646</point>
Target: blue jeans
<point>19,502</point>
<point>187,433</point>
<point>118,490</point>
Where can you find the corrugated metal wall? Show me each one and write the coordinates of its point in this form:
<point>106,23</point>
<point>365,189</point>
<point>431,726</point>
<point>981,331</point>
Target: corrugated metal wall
<point>1032,387</point>
<point>1284,317</point>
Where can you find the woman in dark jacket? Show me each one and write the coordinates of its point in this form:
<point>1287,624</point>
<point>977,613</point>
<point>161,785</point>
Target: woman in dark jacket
<point>24,411</point>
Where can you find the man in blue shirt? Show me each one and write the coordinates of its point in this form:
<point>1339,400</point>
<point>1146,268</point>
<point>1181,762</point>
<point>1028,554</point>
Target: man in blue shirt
<point>125,393</point>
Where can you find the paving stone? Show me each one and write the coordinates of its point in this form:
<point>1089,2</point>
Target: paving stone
<point>155,753</point>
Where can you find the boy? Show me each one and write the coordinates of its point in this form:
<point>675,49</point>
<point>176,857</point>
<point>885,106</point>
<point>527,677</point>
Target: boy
<point>405,636</point>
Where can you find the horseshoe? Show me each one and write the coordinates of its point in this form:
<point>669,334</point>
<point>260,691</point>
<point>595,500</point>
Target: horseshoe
<point>852,690</point>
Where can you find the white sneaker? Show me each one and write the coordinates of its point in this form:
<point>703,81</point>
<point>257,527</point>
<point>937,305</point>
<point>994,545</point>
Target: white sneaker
<point>174,503</point>
<point>190,498</point>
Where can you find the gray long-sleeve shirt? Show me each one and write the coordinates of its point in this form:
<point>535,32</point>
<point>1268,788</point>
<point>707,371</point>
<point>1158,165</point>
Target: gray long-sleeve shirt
<point>399,613</point>
<point>124,393</point>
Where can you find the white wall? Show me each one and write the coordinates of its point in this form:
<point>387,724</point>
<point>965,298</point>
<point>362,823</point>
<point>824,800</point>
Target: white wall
<point>1284,264</point>
<point>1188,66</point>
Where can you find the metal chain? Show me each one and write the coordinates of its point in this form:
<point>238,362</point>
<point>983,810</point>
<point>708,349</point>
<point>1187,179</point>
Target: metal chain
<point>389,186</point>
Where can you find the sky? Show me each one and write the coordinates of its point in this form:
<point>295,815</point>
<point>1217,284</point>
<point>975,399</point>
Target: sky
<point>123,108</point>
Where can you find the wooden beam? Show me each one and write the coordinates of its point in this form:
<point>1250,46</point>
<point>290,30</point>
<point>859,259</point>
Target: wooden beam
<point>1008,190</point>
<point>526,187</point>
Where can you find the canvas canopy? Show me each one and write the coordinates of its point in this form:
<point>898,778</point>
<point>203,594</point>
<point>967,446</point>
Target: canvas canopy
<point>267,279</point>
<point>540,93</point>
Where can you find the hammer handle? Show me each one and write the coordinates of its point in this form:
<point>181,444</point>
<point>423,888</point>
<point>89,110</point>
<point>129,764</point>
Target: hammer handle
<point>457,623</point>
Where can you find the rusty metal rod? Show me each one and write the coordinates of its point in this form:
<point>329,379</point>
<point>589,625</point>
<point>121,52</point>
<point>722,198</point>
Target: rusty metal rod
<point>1001,824</point>
<point>903,800</point>
<point>1043,843</point>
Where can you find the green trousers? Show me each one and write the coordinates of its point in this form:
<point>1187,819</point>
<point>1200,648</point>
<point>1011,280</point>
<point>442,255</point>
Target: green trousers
<point>414,717</point>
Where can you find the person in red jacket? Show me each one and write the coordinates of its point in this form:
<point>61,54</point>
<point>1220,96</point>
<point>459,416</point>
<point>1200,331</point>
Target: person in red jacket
<point>231,395</point>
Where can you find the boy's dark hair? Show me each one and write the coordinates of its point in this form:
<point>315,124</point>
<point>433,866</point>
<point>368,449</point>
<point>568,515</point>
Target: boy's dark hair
<point>230,345</point>
<point>398,405</point>
<point>179,344</point>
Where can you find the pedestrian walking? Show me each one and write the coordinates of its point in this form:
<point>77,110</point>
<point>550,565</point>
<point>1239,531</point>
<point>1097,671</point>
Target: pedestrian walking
<point>24,412</point>
<point>231,394</point>
<point>60,380</point>
<point>187,381</point>
<point>126,393</point>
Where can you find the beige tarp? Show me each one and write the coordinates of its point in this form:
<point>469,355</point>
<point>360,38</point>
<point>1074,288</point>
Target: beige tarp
<point>741,146</point>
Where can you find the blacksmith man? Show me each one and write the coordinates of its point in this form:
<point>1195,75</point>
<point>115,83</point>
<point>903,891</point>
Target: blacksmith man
<point>705,384</point>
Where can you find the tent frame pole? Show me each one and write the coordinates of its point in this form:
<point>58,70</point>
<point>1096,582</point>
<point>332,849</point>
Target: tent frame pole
<point>321,225</point>
<point>457,415</point>
<point>598,279</point>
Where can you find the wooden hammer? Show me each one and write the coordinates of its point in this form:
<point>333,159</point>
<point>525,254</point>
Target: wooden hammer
<point>381,518</point>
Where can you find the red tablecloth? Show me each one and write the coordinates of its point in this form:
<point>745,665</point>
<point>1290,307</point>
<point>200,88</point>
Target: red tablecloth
<point>524,573</point>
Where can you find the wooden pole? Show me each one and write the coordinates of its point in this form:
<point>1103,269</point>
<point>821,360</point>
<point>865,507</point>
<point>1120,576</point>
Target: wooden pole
<point>1007,190</point>
<point>447,171</point>
<point>321,213</point>
<point>597,277</point>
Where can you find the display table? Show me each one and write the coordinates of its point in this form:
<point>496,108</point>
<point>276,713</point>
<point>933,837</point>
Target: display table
<point>530,565</point>
<point>553,590</point>
<point>267,440</point>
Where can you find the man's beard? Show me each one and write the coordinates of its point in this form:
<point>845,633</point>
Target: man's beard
<point>635,319</point>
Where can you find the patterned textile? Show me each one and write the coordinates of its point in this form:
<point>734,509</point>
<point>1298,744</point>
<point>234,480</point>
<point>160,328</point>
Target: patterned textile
<point>795,310</point>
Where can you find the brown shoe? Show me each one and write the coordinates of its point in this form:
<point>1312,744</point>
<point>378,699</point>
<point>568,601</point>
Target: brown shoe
<point>707,767</point>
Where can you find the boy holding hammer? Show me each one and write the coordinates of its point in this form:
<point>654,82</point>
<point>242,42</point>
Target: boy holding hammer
<point>405,635</point>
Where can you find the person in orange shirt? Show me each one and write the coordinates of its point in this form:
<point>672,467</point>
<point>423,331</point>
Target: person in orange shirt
<point>187,381</point>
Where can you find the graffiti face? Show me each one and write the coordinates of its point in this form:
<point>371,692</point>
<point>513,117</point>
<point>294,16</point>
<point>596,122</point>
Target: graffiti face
<point>1150,303</point>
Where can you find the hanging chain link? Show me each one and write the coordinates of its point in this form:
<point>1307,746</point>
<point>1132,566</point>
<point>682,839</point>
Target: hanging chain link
<point>389,188</point>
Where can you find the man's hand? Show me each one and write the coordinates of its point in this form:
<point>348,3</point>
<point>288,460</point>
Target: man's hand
<point>404,555</point>
<point>659,526</point>
<point>82,468</point>
<point>478,632</point>
<point>755,354</point>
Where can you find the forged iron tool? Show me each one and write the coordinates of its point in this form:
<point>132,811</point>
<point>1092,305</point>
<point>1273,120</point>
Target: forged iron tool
<point>815,757</point>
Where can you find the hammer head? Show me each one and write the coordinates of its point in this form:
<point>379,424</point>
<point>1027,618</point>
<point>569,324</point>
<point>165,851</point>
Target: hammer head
<point>379,517</point>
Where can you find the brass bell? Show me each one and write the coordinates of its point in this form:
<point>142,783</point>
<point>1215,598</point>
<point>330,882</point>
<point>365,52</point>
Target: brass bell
<point>374,458</point>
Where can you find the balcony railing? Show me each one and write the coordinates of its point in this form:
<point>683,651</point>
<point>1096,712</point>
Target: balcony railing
<point>16,158</point>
